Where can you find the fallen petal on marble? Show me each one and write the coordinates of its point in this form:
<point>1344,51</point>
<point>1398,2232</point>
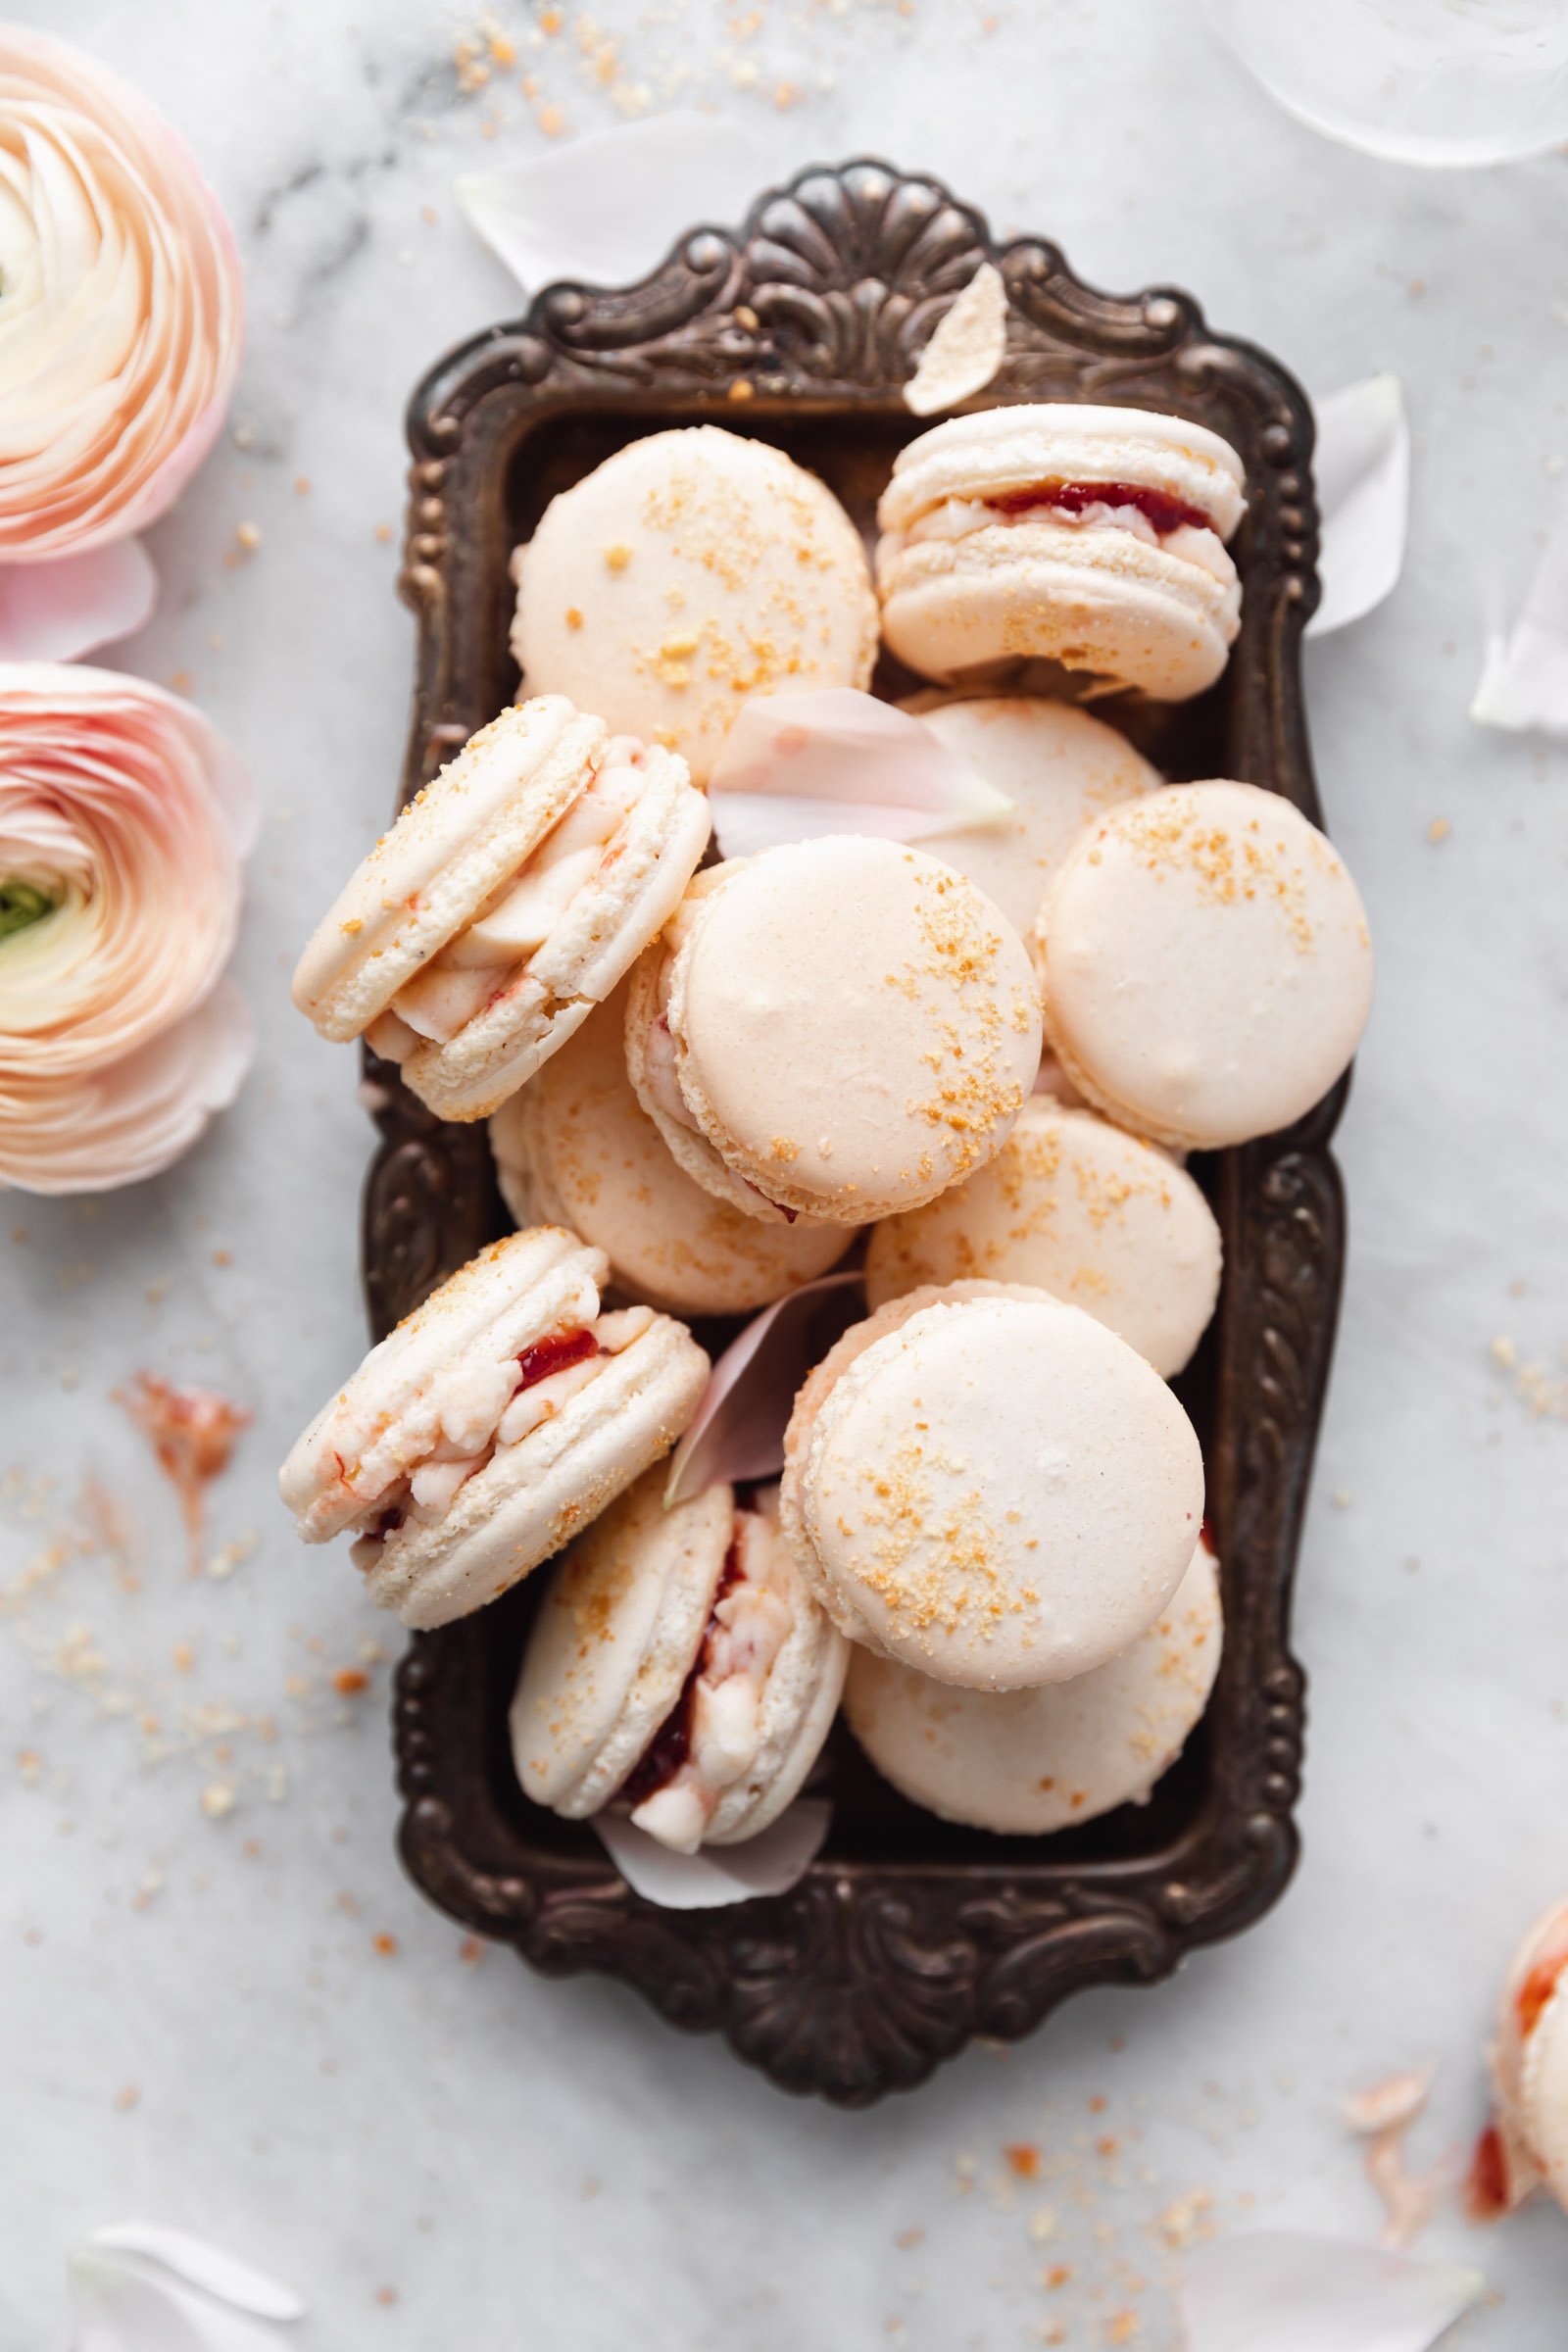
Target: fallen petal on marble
<point>1274,2291</point>
<point>771,1863</point>
<point>966,349</point>
<point>1362,470</point>
<point>1389,2103</point>
<point>58,612</point>
<point>795,766</point>
<point>738,1428</point>
<point>201,2264</point>
<point>1524,672</point>
<point>136,2286</point>
<point>605,209</point>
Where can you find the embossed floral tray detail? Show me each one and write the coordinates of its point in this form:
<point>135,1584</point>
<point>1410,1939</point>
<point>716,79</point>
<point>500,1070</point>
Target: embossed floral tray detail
<point>908,1935</point>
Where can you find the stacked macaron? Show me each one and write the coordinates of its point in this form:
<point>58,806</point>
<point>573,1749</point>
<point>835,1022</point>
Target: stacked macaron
<point>991,1047</point>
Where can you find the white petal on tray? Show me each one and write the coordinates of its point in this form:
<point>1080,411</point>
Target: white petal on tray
<point>738,1428</point>
<point>1362,470</point>
<point>771,1863</point>
<point>605,209</point>
<point>795,766</point>
<point>1524,675</point>
<point>201,2264</point>
<point>59,610</point>
<point>966,349</point>
<point>1274,2291</point>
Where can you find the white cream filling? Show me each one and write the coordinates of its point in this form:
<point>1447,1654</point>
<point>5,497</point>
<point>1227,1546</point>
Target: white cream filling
<point>480,1411</point>
<point>493,952</point>
<point>750,1625</point>
<point>958,517</point>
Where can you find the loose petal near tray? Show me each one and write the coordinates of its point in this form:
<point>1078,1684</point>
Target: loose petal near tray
<point>795,766</point>
<point>58,612</point>
<point>1524,675</point>
<point>966,349</point>
<point>1287,2294</point>
<point>738,1428</point>
<point>139,2287</point>
<point>605,209</point>
<point>1363,467</point>
<point>771,1863</point>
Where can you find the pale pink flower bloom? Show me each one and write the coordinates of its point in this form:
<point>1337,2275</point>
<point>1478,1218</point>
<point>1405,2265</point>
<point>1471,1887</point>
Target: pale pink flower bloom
<point>123,819</point>
<point>120,327</point>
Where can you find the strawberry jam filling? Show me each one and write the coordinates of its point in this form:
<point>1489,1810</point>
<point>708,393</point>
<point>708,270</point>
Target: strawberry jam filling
<point>486,1410</point>
<point>555,1354</point>
<point>671,1745</point>
<point>711,1737</point>
<point>1487,2195</point>
<point>1162,513</point>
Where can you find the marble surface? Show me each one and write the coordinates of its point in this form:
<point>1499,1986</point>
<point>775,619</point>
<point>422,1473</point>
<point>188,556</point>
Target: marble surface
<point>245,2022</point>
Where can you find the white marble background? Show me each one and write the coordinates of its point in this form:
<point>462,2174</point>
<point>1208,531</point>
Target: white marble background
<point>196,2023</point>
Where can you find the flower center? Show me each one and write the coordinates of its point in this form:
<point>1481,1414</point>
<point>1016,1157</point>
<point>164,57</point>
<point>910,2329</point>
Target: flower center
<point>21,905</point>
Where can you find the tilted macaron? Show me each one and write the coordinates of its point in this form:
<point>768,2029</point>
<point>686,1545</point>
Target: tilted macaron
<point>1206,964</point>
<point>509,897</point>
<point>1529,2060</point>
<point>690,570</point>
<point>679,1669</point>
<point>1025,1762</point>
<point>990,1487</point>
<point>834,1029</point>
<point>1089,536</point>
<point>1060,769</point>
<point>1078,1208</point>
<point>490,1426</point>
<point>577,1149</point>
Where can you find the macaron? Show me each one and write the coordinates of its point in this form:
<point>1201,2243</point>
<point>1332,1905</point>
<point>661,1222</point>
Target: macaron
<point>1094,537</point>
<point>1025,1762</point>
<point>508,900</point>
<point>1072,1205</point>
<point>689,570</point>
<point>1060,769</point>
<point>1206,964</point>
<point>989,1486</point>
<point>1528,2059</point>
<point>678,1669</point>
<point>490,1426</point>
<point>834,1029</point>
<point>577,1149</point>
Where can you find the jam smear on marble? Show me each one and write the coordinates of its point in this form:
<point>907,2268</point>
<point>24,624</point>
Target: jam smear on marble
<point>1165,512</point>
<point>672,1743</point>
<point>1485,2194</point>
<point>557,1352</point>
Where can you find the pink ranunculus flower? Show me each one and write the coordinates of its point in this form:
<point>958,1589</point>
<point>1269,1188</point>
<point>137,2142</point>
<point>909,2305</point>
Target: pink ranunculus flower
<point>123,821</point>
<point>121,324</point>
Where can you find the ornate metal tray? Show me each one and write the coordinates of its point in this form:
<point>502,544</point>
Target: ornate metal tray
<point>908,1935</point>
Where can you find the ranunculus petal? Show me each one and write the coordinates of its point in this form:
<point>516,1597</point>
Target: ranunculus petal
<point>776,1859</point>
<point>738,1428</point>
<point>58,612</point>
<point>795,766</point>
<point>135,1118</point>
<point>605,209</point>
<point>1302,2294</point>
<point>123,320</point>
<point>1362,468</point>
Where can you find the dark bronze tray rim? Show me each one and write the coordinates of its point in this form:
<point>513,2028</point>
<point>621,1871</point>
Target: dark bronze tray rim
<point>868,1974</point>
